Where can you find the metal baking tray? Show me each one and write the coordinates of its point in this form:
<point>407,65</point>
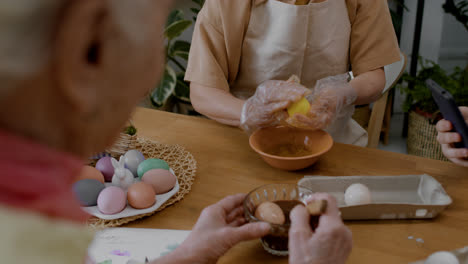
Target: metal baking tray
<point>393,197</point>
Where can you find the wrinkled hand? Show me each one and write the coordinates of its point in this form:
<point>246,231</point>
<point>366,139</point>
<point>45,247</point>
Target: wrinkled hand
<point>219,228</point>
<point>328,102</point>
<point>447,139</point>
<point>266,107</point>
<point>330,244</point>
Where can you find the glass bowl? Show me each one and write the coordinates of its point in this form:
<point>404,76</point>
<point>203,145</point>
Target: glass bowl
<point>287,196</point>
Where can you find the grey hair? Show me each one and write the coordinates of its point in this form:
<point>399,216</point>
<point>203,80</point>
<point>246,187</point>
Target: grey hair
<point>27,31</point>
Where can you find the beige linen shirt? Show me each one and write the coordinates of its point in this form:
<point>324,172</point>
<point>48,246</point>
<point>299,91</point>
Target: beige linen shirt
<point>26,237</point>
<point>216,49</point>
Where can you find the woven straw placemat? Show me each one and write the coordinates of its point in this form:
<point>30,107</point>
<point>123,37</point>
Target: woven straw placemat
<point>180,160</point>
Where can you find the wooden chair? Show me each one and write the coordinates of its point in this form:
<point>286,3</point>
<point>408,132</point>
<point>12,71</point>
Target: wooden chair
<point>382,108</point>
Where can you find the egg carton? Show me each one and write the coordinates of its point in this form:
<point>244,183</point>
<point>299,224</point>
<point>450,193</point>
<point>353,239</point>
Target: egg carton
<point>130,211</point>
<point>393,197</point>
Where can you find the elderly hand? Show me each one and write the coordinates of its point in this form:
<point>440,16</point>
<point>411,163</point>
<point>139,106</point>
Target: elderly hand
<point>266,107</point>
<point>447,139</point>
<point>328,102</point>
<point>219,227</point>
<point>331,242</point>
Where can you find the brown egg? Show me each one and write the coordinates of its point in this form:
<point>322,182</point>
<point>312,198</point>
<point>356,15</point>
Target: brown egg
<point>162,180</point>
<point>141,195</point>
<point>88,172</point>
<point>270,212</point>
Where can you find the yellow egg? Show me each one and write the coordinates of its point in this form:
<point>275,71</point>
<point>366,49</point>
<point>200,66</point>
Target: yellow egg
<point>300,107</point>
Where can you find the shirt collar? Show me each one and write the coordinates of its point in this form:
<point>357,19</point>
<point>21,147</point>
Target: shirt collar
<point>38,178</point>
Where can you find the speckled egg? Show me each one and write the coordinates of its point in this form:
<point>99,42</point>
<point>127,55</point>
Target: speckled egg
<point>357,194</point>
<point>104,165</point>
<point>151,164</point>
<point>162,180</point>
<point>112,200</point>
<point>87,191</point>
<point>88,172</point>
<point>270,212</point>
<point>132,159</point>
<point>141,195</point>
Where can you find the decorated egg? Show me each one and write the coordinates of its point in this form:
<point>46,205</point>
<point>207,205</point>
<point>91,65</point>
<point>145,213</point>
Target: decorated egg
<point>132,159</point>
<point>357,194</point>
<point>87,191</point>
<point>104,165</point>
<point>162,180</point>
<point>442,257</point>
<point>300,107</point>
<point>270,212</point>
<point>88,172</point>
<point>151,164</point>
<point>112,200</point>
<point>141,195</point>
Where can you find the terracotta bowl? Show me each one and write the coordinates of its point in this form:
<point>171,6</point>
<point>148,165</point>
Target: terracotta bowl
<point>290,148</point>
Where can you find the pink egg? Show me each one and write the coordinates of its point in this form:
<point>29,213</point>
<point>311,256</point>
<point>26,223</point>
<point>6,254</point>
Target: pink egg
<point>162,180</point>
<point>112,200</point>
<point>104,165</point>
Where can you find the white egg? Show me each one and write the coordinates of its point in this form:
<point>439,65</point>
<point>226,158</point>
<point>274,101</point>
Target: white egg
<point>357,194</point>
<point>133,158</point>
<point>442,257</point>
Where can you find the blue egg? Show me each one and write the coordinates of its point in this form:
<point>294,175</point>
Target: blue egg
<point>87,191</point>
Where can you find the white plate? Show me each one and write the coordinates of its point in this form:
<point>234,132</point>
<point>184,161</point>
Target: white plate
<point>130,211</point>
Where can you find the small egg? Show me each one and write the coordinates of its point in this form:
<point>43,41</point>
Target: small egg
<point>104,165</point>
<point>141,195</point>
<point>162,180</point>
<point>300,107</point>
<point>151,164</point>
<point>88,172</point>
<point>442,257</point>
<point>132,159</point>
<point>112,200</point>
<point>270,212</point>
<point>357,194</point>
<point>87,191</point>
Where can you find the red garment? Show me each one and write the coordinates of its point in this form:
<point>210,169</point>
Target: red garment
<point>36,178</point>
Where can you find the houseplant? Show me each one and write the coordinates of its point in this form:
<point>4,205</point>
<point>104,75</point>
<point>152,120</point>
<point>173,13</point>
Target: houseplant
<point>423,111</point>
<point>172,88</point>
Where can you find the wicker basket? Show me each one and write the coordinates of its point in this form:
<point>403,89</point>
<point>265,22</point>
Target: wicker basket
<point>180,160</point>
<point>422,138</point>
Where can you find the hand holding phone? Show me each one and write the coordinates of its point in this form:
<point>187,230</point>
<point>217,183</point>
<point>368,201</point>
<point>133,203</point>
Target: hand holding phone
<point>450,111</point>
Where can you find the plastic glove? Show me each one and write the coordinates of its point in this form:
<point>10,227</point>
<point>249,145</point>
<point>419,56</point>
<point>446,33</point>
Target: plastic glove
<point>447,138</point>
<point>331,242</point>
<point>266,107</point>
<point>219,227</point>
<point>332,99</point>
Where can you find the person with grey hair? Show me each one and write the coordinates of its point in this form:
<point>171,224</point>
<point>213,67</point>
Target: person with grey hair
<point>71,72</point>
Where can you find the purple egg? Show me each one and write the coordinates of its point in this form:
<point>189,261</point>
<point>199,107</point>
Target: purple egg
<point>104,165</point>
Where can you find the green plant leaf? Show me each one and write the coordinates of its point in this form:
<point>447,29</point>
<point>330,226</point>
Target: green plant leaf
<point>195,10</point>
<point>182,89</point>
<point>166,87</point>
<point>174,16</point>
<point>180,49</point>
<point>177,28</point>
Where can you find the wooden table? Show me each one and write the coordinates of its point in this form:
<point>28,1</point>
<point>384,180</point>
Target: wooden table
<point>227,165</point>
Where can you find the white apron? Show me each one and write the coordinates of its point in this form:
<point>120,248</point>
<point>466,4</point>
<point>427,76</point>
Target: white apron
<point>310,41</point>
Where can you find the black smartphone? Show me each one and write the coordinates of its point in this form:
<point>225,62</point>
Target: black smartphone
<point>450,111</point>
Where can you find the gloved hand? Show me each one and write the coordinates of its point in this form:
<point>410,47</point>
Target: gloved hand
<point>266,107</point>
<point>330,243</point>
<point>329,101</point>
